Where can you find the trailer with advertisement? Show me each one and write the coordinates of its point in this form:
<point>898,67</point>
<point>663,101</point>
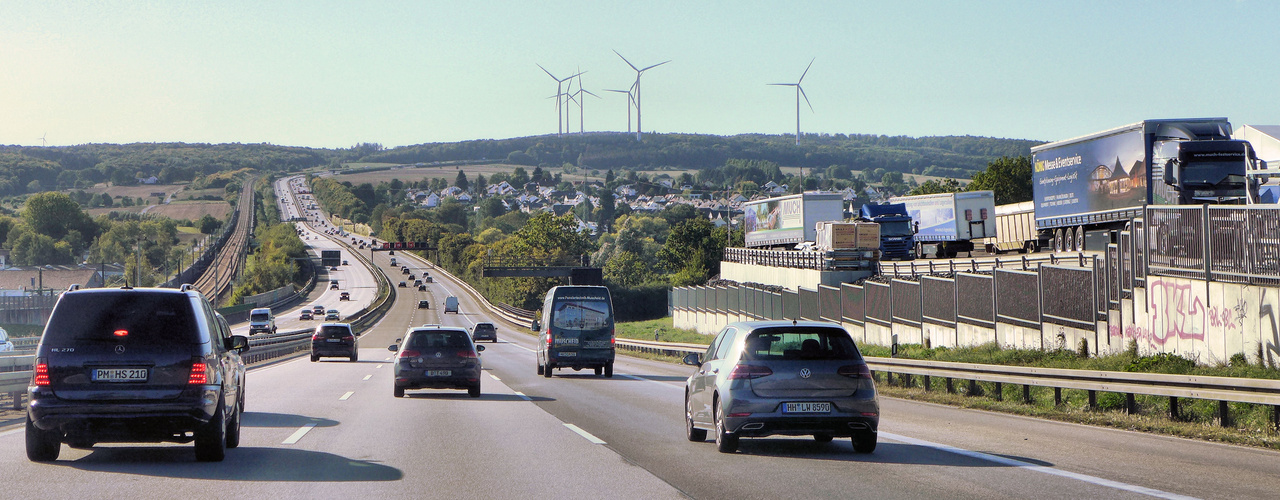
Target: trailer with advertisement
<point>787,220</point>
<point>1089,188</point>
<point>948,223</point>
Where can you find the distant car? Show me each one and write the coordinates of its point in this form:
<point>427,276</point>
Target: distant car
<point>261,321</point>
<point>403,284</point>
<point>417,282</point>
<point>333,268</point>
<point>345,263</point>
<point>5,344</point>
<point>305,315</point>
<point>436,357</point>
<point>334,339</point>
<point>344,296</point>
<point>333,285</point>
<point>317,309</point>
<point>331,315</point>
<point>391,252</point>
<point>404,270</point>
<point>424,304</point>
<point>763,378</point>
<point>393,262</point>
<point>422,288</point>
<point>484,331</point>
<point>429,280</point>
<point>412,276</point>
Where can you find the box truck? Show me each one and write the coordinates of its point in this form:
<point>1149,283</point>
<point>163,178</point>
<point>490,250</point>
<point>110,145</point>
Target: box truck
<point>948,223</point>
<point>1100,182</point>
<point>787,220</point>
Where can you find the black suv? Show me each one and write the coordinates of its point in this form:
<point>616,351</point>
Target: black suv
<point>136,365</point>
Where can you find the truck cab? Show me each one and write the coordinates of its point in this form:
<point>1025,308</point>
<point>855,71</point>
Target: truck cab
<point>897,232</point>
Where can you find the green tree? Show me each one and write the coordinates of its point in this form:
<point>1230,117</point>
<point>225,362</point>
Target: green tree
<point>53,214</point>
<point>208,224</point>
<point>935,186</point>
<point>461,180</point>
<point>692,253</point>
<point>1008,177</point>
<point>628,270</point>
<point>556,238</point>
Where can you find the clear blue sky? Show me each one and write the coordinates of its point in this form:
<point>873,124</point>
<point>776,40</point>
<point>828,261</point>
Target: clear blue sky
<point>333,74</point>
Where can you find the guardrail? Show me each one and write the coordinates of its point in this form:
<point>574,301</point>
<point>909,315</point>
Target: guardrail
<point>13,381</point>
<point>1022,262</point>
<point>510,314</point>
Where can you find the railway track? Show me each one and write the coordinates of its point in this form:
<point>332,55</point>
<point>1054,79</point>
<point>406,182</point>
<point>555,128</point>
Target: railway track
<point>227,265</point>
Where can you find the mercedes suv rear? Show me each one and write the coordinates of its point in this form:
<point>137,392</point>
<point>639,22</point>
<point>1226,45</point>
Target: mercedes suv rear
<point>136,365</point>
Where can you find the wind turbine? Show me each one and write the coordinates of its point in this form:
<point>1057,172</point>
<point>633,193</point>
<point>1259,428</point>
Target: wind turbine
<point>559,94</point>
<point>581,101</point>
<point>636,86</point>
<point>630,102</point>
<point>799,93</point>
<point>44,143</point>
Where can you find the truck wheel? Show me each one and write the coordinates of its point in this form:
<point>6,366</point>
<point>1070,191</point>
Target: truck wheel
<point>1069,240</point>
<point>1057,240</point>
<point>1080,238</point>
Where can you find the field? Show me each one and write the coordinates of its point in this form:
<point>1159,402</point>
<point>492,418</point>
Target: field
<point>142,191</point>
<point>192,210</point>
<point>94,212</point>
<point>198,193</point>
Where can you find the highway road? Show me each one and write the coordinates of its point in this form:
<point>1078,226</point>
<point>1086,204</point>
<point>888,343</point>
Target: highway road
<point>332,429</point>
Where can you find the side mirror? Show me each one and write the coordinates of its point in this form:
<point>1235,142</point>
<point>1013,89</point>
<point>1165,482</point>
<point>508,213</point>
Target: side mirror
<point>238,343</point>
<point>692,359</point>
<point>1170,173</point>
<point>479,348</point>
<point>393,347</point>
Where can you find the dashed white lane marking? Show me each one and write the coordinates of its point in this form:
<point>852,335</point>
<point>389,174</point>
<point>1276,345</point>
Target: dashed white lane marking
<point>377,366</point>
<point>367,377</point>
<point>518,393</point>
<point>642,379</point>
<point>1037,468</point>
<point>388,359</point>
<point>302,431</point>
<point>347,395</point>
<point>495,377</point>
<point>584,434</point>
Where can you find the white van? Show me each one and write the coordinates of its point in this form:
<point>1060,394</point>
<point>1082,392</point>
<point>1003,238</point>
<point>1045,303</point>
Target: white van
<point>451,304</point>
<point>261,321</point>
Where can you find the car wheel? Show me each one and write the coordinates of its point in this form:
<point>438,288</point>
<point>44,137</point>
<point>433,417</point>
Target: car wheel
<point>474,391</point>
<point>355,356</point>
<point>233,428</point>
<point>725,441</point>
<point>314,358</point>
<point>608,370</point>
<point>211,438</point>
<point>546,370</point>
<point>399,392</point>
<point>42,445</point>
<point>864,442</point>
<point>540,369</point>
<point>690,432</point>
<point>599,370</point>
<point>823,438</point>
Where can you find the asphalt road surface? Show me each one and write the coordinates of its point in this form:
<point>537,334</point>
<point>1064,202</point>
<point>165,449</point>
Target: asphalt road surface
<point>333,430</point>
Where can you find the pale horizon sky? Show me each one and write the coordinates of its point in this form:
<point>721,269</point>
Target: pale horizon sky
<point>333,74</point>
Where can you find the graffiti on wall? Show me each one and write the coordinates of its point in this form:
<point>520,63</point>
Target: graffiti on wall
<point>1267,319</point>
<point>1177,312</point>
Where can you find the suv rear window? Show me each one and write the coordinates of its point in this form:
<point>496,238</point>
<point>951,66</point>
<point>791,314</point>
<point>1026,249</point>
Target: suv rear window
<point>800,344</point>
<point>438,338</point>
<point>334,331</point>
<point>149,318</point>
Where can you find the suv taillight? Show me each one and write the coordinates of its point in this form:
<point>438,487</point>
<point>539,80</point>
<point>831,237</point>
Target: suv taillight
<point>42,373</point>
<point>199,372</point>
<point>749,372</point>
<point>855,371</point>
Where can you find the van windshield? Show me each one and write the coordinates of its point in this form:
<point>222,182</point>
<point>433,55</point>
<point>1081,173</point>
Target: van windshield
<point>581,313</point>
<point>259,317</point>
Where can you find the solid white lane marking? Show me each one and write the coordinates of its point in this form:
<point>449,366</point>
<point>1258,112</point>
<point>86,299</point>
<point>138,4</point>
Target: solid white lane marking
<point>584,434</point>
<point>518,393</point>
<point>1037,468</point>
<point>345,396</point>
<point>366,377</point>
<point>302,431</point>
<point>520,346</point>
<point>495,377</point>
<point>642,379</point>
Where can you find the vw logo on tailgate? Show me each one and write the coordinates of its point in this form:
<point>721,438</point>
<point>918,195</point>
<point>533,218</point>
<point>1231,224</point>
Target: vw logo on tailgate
<point>805,373</point>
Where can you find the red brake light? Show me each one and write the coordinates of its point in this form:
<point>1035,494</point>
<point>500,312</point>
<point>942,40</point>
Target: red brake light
<point>199,373</point>
<point>408,354</point>
<point>121,333</point>
<point>349,337</point>
<point>855,371</point>
<point>42,373</point>
<point>749,372</point>
<point>466,354</point>
<point>549,339</point>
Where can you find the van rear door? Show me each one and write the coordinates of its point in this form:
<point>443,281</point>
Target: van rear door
<point>582,324</point>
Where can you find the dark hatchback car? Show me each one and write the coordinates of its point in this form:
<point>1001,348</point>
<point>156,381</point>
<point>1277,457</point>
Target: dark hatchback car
<point>484,331</point>
<point>437,357</point>
<point>136,365</point>
<point>334,340</point>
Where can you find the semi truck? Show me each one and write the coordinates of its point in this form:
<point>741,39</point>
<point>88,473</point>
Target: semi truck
<point>897,233</point>
<point>787,220</point>
<point>1096,184</point>
<point>330,258</point>
<point>1016,230</point>
<point>948,223</point>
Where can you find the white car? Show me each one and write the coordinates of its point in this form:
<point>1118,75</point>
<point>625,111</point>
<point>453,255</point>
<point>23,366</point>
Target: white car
<point>5,345</point>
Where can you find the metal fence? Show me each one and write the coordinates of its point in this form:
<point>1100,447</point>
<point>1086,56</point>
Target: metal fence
<point>1214,243</point>
<point>776,258</point>
<point>906,302</point>
<point>938,300</point>
<point>975,303</point>
<point>1014,302</point>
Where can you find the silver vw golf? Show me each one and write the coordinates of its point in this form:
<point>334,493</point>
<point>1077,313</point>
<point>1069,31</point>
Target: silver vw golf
<point>763,378</point>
